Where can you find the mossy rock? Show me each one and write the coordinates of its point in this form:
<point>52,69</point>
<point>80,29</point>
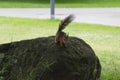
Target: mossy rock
<point>42,59</point>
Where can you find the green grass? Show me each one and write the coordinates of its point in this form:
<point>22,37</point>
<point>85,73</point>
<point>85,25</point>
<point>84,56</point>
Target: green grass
<point>105,40</point>
<point>59,3</point>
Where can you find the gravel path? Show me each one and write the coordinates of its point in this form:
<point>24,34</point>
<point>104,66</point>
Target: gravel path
<point>105,16</point>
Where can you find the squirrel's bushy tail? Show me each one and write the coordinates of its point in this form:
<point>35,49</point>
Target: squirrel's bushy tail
<point>65,22</point>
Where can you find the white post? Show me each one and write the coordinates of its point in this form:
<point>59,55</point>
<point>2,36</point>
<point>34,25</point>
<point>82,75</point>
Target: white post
<point>52,7</point>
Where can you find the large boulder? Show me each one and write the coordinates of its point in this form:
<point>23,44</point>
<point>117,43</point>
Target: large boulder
<point>42,59</point>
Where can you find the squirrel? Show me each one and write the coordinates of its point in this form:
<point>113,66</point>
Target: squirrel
<point>61,37</point>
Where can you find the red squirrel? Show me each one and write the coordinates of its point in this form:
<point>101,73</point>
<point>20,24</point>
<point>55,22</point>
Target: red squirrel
<point>61,37</point>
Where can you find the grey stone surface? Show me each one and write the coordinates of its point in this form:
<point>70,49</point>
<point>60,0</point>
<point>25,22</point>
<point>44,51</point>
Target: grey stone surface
<point>105,16</point>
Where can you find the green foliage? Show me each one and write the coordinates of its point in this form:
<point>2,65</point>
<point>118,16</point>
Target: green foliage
<point>61,0</point>
<point>59,3</point>
<point>105,40</point>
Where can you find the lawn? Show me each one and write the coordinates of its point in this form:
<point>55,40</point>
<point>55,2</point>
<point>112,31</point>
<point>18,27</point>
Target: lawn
<point>105,40</point>
<point>59,3</point>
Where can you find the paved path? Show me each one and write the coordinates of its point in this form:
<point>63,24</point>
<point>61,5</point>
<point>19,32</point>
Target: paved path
<point>105,16</point>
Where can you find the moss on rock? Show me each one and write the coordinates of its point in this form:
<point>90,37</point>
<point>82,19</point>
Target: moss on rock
<point>42,59</point>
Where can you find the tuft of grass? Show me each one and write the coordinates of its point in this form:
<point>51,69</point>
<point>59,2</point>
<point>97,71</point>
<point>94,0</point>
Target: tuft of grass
<point>105,40</point>
<point>58,3</point>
